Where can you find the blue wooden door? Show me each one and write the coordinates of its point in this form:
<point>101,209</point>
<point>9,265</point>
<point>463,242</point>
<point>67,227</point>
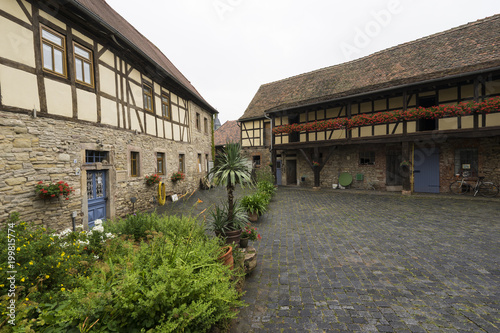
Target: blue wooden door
<point>278,172</point>
<point>96,196</point>
<point>426,171</point>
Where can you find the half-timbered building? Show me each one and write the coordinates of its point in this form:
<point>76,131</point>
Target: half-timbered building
<point>87,100</point>
<point>406,118</point>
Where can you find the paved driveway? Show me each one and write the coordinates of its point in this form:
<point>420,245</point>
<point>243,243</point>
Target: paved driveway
<point>333,261</point>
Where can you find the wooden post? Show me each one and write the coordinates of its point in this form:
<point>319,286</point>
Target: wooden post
<point>406,170</point>
<point>316,169</point>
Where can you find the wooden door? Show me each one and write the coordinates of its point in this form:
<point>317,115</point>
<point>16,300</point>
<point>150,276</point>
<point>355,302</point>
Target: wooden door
<point>291,172</point>
<point>393,169</point>
<point>96,196</point>
<point>426,171</point>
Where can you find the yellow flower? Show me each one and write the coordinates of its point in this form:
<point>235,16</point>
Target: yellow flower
<point>63,289</point>
<point>18,249</point>
<point>27,299</point>
<point>1,285</point>
<point>46,276</point>
<point>62,254</point>
<point>22,280</point>
<point>58,264</point>
<point>31,262</point>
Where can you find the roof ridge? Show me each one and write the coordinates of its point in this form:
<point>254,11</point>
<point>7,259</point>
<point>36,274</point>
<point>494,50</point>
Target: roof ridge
<point>437,34</point>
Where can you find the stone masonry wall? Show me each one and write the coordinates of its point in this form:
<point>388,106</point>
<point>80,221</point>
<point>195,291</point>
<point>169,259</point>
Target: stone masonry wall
<point>46,149</point>
<point>346,159</point>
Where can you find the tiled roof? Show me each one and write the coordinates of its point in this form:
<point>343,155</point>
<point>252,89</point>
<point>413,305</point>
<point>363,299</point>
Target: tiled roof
<point>467,48</point>
<point>230,131</point>
<point>110,17</point>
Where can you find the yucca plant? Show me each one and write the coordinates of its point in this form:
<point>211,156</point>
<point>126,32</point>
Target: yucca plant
<point>230,170</point>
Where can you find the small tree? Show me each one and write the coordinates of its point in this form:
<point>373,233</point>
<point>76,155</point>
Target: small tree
<point>231,169</point>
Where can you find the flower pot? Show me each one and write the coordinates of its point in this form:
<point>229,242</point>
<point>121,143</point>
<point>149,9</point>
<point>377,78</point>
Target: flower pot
<point>227,256</point>
<point>233,236</point>
<point>243,243</point>
<point>253,217</point>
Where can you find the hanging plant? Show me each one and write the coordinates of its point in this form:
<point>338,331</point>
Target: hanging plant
<point>433,112</point>
<point>152,179</point>
<point>53,190</point>
<point>176,176</point>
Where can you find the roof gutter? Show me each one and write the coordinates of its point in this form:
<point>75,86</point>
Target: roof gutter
<point>456,76</point>
<point>135,48</point>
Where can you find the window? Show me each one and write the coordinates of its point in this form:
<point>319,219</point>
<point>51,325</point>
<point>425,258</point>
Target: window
<point>147,92</point>
<point>207,163</point>
<point>95,156</point>
<point>160,163</point>
<point>83,65</point>
<point>181,163</point>
<point>367,158</point>
<point>256,160</point>
<point>466,161</point>
<point>53,51</point>
<point>134,164</point>
<point>198,124</point>
<point>165,106</point>
<point>205,125</point>
<point>199,163</point>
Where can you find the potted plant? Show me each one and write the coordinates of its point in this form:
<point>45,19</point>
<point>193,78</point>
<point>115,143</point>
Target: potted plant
<point>176,176</point>
<point>249,233</point>
<point>53,190</point>
<point>255,205</point>
<point>230,170</point>
<point>219,223</point>
<point>152,179</point>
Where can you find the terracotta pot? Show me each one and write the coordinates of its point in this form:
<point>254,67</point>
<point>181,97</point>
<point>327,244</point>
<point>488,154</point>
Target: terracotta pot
<point>253,217</point>
<point>227,256</point>
<point>243,243</point>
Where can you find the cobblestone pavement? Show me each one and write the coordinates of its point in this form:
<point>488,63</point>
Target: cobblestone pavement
<point>346,261</point>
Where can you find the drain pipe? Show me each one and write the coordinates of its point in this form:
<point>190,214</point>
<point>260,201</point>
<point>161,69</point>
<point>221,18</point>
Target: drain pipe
<point>271,121</point>
<point>73,217</point>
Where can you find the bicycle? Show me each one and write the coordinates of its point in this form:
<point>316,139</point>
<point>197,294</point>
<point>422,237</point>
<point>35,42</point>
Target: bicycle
<point>486,189</point>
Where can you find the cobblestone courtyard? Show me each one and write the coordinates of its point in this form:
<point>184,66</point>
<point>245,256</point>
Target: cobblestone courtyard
<point>333,261</point>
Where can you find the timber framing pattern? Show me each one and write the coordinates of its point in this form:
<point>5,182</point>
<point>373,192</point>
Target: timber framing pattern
<point>456,66</point>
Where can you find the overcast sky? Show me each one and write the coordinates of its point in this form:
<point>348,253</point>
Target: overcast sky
<point>228,48</point>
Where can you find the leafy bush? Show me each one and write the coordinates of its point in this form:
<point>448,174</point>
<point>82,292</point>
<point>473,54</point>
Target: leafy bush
<point>255,203</point>
<point>48,265</point>
<point>264,174</point>
<point>172,283</point>
<point>266,187</point>
<point>134,225</point>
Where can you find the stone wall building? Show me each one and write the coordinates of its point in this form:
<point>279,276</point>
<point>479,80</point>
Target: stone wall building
<point>88,100</point>
<point>406,118</point>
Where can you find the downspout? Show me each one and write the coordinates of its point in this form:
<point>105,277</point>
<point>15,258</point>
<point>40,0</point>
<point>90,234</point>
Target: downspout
<point>412,159</point>
<point>271,121</point>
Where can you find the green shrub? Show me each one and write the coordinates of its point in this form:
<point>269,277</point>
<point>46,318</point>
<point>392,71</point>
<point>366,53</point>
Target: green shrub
<point>266,187</point>
<point>172,283</point>
<point>134,225</point>
<point>264,174</point>
<point>255,203</point>
<point>47,264</point>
